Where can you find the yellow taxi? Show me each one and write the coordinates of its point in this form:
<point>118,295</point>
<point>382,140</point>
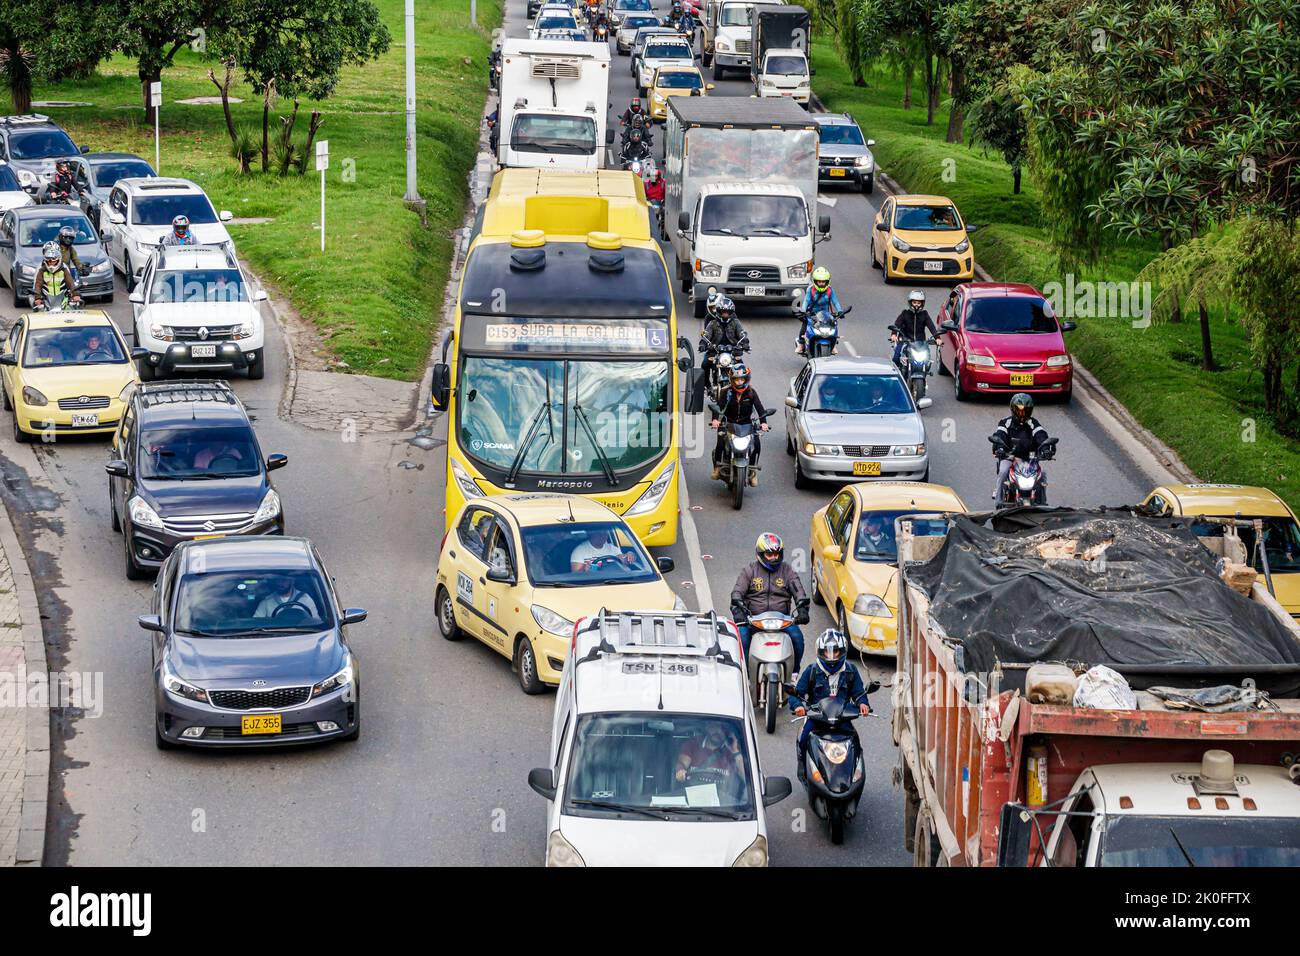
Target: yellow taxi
<point>672,81</point>
<point>65,373</point>
<point>517,571</point>
<point>854,552</point>
<point>1281,531</point>
<point>922,237</point>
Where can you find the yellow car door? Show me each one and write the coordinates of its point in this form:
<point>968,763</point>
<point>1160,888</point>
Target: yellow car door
<point>498,603</point>
<point>12,346</point>
<point>830,534</point>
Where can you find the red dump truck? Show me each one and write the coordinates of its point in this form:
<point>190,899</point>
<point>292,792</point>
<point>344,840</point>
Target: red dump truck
<point>1003,618</point>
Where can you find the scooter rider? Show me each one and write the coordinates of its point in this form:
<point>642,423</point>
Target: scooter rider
<point>722,333</point>
<point>68,249</point>
<point>53,278</point>
<point>819,297</point>
<point>1016,436</point>
<point>769,584</point>
<point>63,184</point>
<point>633,110</point>
<point>831,675</point>
<point>912,324</point>
<point>740,404</point>
<point>655,188</point>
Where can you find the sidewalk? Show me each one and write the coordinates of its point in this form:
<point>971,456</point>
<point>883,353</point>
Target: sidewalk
<point>24,730</point>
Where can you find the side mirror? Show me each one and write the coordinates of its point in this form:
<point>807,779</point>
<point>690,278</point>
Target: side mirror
<point>882,226</point>
<point>500,575</point>
<point>1014,833</point>
<point>832,552</point>
<point>276,461</point>
<point>353,615</point>
<point>225,215</point>
<point>824,224</point>
<point>684,221</point>
<point>117,468</point>
<point>684,364</point>
<point>665,564</point>
<point>873,687</point>
<point>84,148</point>
<point>948,326</point>
<point>924,402</point>
<point>709,86</point>
<point>440,393</point>
<point>792,402</point>
<point>871,142</point>
<point>8,359</point>
<point>776,789</point>
<point>260,295</point>
<point>139,354</point>
<point>1069,326</point>
<point>136,296</point>
<point>542,780</point>
<point>971,228</point>
<point>115,217</point>
<point>150,622</point>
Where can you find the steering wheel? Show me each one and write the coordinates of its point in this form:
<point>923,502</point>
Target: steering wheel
<point>227,457</point>
<point>298,605</point>
<point>703,776</point>
<point>605,561</point>
<point>102,353</point>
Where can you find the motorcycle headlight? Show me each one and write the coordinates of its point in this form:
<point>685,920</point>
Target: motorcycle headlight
<point>833,751</point>
<point>811,449</point>
<point>560,852</point>
<point>864,162</point>
<point>32,396</point>
<point>708,270</point>
<point>464,482</point>
<point>919,354</point>
<point>142,514</point>
<point>900,245</point>
<point>342,679</point>
<point>651,497</point>
<point>984,361</point>
<point>1058,361</point>
<point>741,442</point>
<point>724,360</point>
<point>180,688</point>
<point>907,451</point>
<point>550,622</point>
<point>963,245</point>
<point>871,606</point>
<point>99,268</point>
<point>163,333</point>
<point>269,508</point>
<point>1024,481</point>
<point>755,854</point>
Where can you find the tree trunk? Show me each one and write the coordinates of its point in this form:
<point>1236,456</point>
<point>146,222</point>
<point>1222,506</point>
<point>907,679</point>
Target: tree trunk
<point>147,79</point>
<point>286,139</point>
<point>18,74</point>
<point>1207,351</point>
<point>931,89</point>
<point>956,115</point>
<point>909,68</point>
<point>1015,180</point>
<point>224,88</point>
<point>312,128</point>
<point>267,94</point>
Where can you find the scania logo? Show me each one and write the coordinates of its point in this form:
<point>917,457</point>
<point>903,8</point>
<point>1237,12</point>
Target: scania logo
<point>754,274</point>
<point>203,332</point>
<point>209,526</point>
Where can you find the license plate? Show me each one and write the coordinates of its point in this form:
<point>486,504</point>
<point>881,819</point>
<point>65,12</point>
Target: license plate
<point>837,172</point>
<point>933,265</point>
<point>204,537</point>
<point>755,290</point>
<point>203,351</point>
<point>1022,379</point>
<point>261,724</point>
<point>85,421</point>
<point>867,469</point>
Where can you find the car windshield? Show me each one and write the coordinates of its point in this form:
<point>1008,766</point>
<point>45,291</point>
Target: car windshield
<point>679,80</point>
<point>41,144</point>
<point>584,555</point>
<point>754,215</point>
<point>8,181</point>
<point>187,452</point>
<point>876,539</point>
<point>635,23</point>
<point>1281,541</point>
<point>198,285</point>
<point>1008,315</point>
<point>572,417</point>
<point>621,5</point>
<point>667,51</point>
<point>1234,841</point>
<point>161,210</point>
<point>545,133</point>
<point>840,134</point>
<point>736,15</point>
<point>39,230</point>
<point>78,345</point>
<point>251,603</point>
<point>667,766</point>
<point>859,395</point>
<point>556,22</point>
<point>927,218</point>
<point>787,65</point>
<point>107,174</point>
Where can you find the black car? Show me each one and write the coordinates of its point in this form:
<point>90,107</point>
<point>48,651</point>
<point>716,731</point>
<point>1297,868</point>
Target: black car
<point>31,144</point>
<point>185,465</point>
<point>249,647</point>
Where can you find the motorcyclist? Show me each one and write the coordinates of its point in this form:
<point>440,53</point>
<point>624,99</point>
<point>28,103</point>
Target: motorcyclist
<point>819,297</point>
<point>602,20</point>
<point>63,184</point>
<point>722,333</point>
<point>739,405</point>
<point>912,324</point>
<point>68,249</point>
<point>687,23</point>
<point>655,188</point>
<point>53,279</point>
<point>770,584</point>
<point>181,235</point>
<point>633,110</point>
<point>831,675</point>
<point>1017,436</point>
<point>636,145</point>
<point>494,134</point>
<point>494,64</point>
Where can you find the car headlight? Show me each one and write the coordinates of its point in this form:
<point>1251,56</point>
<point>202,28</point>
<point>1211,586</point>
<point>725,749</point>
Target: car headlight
<point>962,246</point>
<point>678,603</point>
<point>1057,361</point>
<point>163,333</point>
<point>900,245</point>
<point>100,268</point>
<point>800,270</point>
<point>871,606</point>
<point>560,852</point>
<point>125,394</point>
<point>907,451</point>
<point>174,685</point>
<point>142,514</point>
<point>342,679</point>
<point>27,178</point>
<point>33,397</point>
<point>27,270</point>
<point>146,249</point>
<point>708,270</point>
<point>467,486</point>
<point>811,449</point>
<point>769,84</point>
<point>659,98</point>
<point>864,162</point>
<point>269,508</point>
<point>723,44</point>
<point>985,361</point>
<point>552,623</point>
<point>755,854</point>
<point>651,497</point>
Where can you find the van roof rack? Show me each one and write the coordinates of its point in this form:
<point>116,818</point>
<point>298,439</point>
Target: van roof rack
<point>660,632</point>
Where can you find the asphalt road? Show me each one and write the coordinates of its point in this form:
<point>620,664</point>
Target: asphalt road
<point>438,776</point>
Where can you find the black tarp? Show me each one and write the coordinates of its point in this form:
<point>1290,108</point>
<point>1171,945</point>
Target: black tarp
<point>1150,604</point>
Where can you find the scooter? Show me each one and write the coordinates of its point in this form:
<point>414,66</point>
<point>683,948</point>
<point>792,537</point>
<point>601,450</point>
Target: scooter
<point>738,457</point>
<point>1026,484</point>
<point>916,363</point>
<point>822,332</point>
<point>770,662</point>
<point>834,772</point>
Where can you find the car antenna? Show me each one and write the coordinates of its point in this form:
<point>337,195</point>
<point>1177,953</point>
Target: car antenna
<point>572,519</point>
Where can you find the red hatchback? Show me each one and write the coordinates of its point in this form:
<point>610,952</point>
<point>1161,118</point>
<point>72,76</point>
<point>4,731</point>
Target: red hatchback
<point>1003,337</point>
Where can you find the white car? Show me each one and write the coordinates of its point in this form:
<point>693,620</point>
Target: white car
<point>139,215</point>
<point>195,312</point>
<point>654,757</point>
<point>551,19</point>
<point>12,194</point>
<point>670,51</point>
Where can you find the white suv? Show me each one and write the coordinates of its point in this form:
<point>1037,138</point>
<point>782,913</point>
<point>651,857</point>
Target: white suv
<point>194,311</point>
<point>139,214</point>
<point>654,755</point>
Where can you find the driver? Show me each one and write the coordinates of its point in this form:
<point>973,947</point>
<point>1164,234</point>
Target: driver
<point>718,751</point>
<point>877,396</point>
<point>211,452</point>
<point>283,594</point>
<point>599,544</point>
<point>94,345</point>
<point>874,538</point>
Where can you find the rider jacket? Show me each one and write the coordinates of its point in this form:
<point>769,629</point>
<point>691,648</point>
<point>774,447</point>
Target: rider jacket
<point>814,685</point>
<point>720,335</point>
<point>1020,438</point>
<point>51,283</point>
<point>71,259</point>
<point>912,325</point>
<point>171,239</point>
<point>814,301</point>
<point>654,192</point>
<point>758,590</point>
<point>63,183</point>
<point>740,406</point>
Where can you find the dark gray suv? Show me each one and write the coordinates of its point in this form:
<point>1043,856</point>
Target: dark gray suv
<point>845,156</point>
<point>31,144</point>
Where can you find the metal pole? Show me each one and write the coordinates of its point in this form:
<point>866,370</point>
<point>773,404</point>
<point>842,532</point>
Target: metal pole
<point>412,192</point>
<point>473,13</point>
<point>322,210</point>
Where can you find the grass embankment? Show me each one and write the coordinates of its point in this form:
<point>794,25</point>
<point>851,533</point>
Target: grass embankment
<point>1205,416</point>
<point>375,294</point>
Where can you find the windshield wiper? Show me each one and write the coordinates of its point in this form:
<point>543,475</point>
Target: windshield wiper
<point>1186,856</point>
<point>605,464</point>
<point>620,807</point>
<point>287,629</point>
<point>710,811</point>
<point>196,632</point>
<point>533,430</point>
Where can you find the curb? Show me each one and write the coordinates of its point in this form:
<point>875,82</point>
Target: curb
<point>291,376</point>
<point>36,769</point>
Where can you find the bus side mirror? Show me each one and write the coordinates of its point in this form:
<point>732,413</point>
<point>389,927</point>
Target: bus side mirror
<point>1014,833</point>
<point>440,393</point>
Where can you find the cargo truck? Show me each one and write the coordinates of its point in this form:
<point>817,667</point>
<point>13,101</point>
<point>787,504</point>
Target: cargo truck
<point>777,26</point>
<point>726,35</point>
<point>554,105</point>
<point>1001,762</point>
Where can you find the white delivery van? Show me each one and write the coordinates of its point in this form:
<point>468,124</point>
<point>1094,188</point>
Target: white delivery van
<point>554,105</point>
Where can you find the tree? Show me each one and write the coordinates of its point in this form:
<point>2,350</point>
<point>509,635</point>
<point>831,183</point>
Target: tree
<point>1264,276</point>
<point>42,41</point>
<point>997,122</point>
<point>154,31</point>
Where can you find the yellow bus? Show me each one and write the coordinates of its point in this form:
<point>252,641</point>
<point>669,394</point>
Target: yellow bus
<point>559,374</point>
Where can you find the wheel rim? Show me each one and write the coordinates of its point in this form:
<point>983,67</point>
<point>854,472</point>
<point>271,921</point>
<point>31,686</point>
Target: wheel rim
<point>527,668</point>
<point>446,616</point>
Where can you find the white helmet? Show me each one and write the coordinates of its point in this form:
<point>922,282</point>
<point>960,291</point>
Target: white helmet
<point>916,295</point>
<point>831,645</point>
<point>636,168</point>
<point>51,252</point>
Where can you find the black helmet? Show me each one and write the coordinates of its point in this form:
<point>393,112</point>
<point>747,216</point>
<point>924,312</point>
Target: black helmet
<point>67,236</point>
<point>724,308</point>
<point>1022,406</point>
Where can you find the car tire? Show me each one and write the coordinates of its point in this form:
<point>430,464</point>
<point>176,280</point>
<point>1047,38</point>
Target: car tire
<point>718,71</point>
<point>789,445</point>
<point>20,436</point>
<point>958,392</point>
<point>257,368</point>
<point>446,614</point>
<point>869,185</point>
<point>872,253</point>
<point>842,621</point>
<point>943,369</point>
<point>926,476</point>
<point>13,284</point>
<point>113,519</point>
<point>355,733</point>
<point>698,305</point>
<point>161,742</point>
<point>133,571</point>
<point>526,667</point>
<point>9,406</point>
<point>128,273</point>
<point>800,479</point>
<point>817,597</point>
<point>147,371</point>
<point>1066,397</point>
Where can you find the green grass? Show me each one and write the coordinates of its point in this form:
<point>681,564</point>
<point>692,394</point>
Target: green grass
<point>375,294</point>
<point>1205,416</point>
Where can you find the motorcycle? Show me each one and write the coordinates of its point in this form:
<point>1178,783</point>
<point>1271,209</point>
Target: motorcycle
<point>916,363</point>
<point>52,195</point>
<point>720,370</point>
<point>822,333</point>
<point>599,33</point>
<point>737,457</point>
<point>1026,484</point>
<point>770,662</point>
<point>834,771</point>
<point>63,302</point>
<point>635,150</point>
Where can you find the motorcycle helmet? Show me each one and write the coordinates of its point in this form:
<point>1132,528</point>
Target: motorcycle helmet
<point>821,278</point>
<point>636,104</point>
<point>916,299</point>
<point>67,236</point>
<point>181,225</point>
<point>52,255</point>
<point>831,648</point>
<point>724,308</point>
<point>739,377</point>
<point>770,544</point>
<point>1022,406</point>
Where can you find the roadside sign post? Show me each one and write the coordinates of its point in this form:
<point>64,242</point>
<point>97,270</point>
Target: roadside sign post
<point>322,164</point>
<point>155,100</point>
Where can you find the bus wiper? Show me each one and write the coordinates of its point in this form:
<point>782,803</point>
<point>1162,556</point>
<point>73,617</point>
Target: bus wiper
<point>600,452</point>
<point>533,430</point>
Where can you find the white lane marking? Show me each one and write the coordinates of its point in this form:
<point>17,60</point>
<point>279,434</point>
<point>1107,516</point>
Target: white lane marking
<point>704,595</point>
<point>848,347</point>
<point>828,200</point>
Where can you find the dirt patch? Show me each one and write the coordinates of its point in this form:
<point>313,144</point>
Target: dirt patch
<point>207,101</point>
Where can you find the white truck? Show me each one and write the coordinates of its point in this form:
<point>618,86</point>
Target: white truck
<point>741,198</point>
<point>727,35</point>
<point>554,105</point>
<point>784,73</point>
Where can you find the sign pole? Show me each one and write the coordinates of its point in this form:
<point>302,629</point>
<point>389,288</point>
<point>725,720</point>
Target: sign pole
<point>322,164</point>
<point>155,99</point>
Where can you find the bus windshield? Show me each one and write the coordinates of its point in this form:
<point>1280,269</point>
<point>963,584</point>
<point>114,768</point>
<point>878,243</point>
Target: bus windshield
<point>564,416</point>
